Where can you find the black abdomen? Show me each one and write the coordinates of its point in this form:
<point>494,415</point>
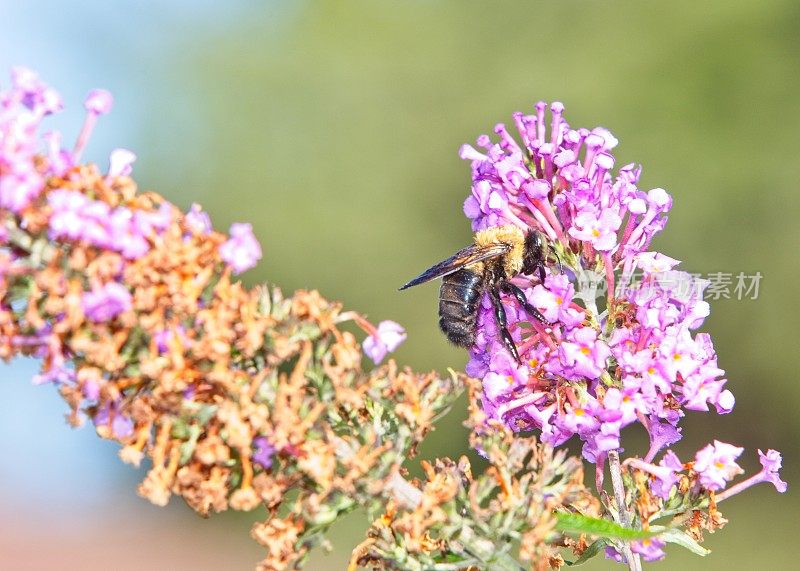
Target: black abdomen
<point>459,297</point>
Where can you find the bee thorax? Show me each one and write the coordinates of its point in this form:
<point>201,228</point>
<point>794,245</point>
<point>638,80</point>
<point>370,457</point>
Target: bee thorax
<point>508,234</point>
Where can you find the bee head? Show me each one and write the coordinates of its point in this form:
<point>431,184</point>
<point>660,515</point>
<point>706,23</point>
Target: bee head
<point>534,253</point>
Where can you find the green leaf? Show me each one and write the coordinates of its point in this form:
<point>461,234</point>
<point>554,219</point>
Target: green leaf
<point>180,429</point>
<point>678,537</point>
<point>577,523</point>
<point>590,552</point>
<point>187,448</point>
<point>206,413</point>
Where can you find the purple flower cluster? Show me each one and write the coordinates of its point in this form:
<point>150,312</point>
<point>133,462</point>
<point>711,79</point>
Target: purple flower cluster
<point>603,364</point>
<point>22,109</point>
<point>25,165</point>
<point>77,217</point>
<point>106,302</point>
<point>713,468</point>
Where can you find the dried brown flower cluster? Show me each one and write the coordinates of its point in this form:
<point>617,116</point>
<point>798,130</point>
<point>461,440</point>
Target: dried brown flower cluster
<point>237,397</point>
<point>456,521</point>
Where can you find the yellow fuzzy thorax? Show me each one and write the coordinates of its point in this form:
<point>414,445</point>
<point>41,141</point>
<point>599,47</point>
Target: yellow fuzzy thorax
<point>508,234</point>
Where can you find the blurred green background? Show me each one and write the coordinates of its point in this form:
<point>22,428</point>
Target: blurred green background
<point>333,127</point>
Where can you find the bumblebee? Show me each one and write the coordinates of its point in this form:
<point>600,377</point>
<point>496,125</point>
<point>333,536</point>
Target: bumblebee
<point>487,266</point>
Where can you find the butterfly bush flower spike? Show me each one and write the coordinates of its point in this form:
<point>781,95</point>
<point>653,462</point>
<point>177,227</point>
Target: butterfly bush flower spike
<point>621,347</point>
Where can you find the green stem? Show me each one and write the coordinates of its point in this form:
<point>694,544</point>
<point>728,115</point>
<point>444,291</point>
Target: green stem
<point>624,516</point>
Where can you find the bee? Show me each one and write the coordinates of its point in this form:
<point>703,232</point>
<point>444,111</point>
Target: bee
<point>487,266</point>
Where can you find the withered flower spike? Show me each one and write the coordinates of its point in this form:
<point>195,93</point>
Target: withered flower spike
<point>238,397</point>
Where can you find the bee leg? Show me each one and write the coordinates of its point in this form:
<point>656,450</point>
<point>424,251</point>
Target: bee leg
<point>500,319</point>
<point>541,273</point>
<point>558,259</point>
<point>519,295</point>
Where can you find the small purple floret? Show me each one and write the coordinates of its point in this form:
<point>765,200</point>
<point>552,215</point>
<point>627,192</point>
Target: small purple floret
<point>99,102</point>
<point>771,464</point>
<point>242,251</point>
<point>264,451</point>
<point>120,162</point>
<point>388,338</point>
<point>107,302</point>
<point>198,220</point>
<point>651,549</point>
<point>716,464</point>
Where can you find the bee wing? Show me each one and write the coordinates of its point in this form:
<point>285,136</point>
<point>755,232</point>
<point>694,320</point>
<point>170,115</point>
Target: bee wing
<point>469,255</point>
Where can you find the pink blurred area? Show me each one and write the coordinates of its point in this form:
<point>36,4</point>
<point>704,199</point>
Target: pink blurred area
<point>125,540</point>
